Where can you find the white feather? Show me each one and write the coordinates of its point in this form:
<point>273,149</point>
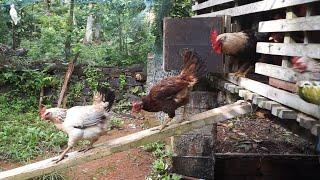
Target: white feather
<point>14,14</point>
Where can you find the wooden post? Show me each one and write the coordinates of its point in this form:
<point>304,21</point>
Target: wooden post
<point>127,142</point>
<point>66,79</point>
<point>287,39</point>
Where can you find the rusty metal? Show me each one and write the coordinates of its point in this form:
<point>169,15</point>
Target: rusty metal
<point>194,34</point>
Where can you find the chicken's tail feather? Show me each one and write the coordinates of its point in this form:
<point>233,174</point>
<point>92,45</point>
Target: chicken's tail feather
<point>104,94</point>
<point>194,67</point>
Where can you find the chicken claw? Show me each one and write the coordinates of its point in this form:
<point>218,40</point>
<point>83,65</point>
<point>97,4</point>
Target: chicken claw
<point>56,160</point>
<point>86,149</point>
<point>163,125</point>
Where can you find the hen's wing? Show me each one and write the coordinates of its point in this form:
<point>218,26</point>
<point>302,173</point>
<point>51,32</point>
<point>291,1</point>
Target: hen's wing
<point>168,88</point>
<point>85,116</point>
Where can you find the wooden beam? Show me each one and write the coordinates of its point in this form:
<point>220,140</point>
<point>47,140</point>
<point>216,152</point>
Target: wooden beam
<point>283,112</point>
<point>208,4</point>
<point>130,141</point>
<point>281,96</point>
<point>315,130</point>
<point>283,73</point>
<point>287,38</point>
<point>255,7</point>
<point>283,85</point>
<point>292,49</point>
<point>287,25</point>
<point>306,121</point>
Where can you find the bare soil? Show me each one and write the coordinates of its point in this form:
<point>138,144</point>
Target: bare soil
<point>260,133</point>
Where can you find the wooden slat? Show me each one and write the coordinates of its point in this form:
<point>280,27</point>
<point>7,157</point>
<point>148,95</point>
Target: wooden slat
<point>260,6</point>
<point>127,142</point>
<point>209,3</point>
<point>283,73</point>
<point>281,96</point>
<point>292,49</point>
<point>283,85</point>
<point>283,112</point>
<point>306,121</point>
<point>286,25</point>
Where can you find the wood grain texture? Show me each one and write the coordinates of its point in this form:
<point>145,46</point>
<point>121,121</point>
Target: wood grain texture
<point>255,7</point>
<point>287,25</point>
<point>289,49</point>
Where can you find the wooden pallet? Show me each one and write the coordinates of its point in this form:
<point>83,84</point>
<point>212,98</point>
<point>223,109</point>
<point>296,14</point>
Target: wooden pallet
<point>276,109</point>
<point>281,88</point>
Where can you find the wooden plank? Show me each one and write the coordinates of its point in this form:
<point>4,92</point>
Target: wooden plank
<point>255,7</point>
<point>130,141</point>
<point>257,99</point>
<point>306,121</point>
<point>283,73</point>
<point>209,3</point>
<point>287,38</point>
<point>281,96</point>
<point>230,87</point>
<point>237,89</point>
<point>292,49</point>
<point>270,104</point>
<point>315,130</point>
<point>286,25</point>
<point>243,92</point>
<point>283,112</point>
<point>283,85</point>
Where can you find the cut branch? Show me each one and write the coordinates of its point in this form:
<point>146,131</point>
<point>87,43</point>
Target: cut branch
<point>67,79</point>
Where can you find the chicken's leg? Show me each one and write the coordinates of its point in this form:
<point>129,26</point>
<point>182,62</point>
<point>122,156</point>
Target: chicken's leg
<point>163,125</point>
<point>63,155</point>
<point>244,74</point>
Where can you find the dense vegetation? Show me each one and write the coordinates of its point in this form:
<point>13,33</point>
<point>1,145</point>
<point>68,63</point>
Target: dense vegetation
<point>124,32</point>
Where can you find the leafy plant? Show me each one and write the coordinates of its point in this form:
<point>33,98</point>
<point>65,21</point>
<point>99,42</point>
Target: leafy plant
<point>92,76</point>
<point>161,166</point>
<point>115,123</point>
<point>122,81</point>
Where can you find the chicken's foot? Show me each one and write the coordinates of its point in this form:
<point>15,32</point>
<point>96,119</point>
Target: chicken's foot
<point>63,155</point>
<point>163,125</point>
<point>243,74</point>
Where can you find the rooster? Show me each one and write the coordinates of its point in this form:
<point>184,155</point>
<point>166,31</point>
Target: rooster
<point>81,122</point>
<point>305,64</point>
<point>239,45</point>
<point>173,92</point>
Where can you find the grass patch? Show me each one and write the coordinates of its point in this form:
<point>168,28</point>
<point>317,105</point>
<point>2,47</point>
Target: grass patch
<point>23,135</point>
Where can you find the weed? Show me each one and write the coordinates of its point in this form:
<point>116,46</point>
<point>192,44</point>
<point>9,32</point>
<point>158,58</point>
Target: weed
<point>115,123</point>
<point>122,81</point>
<point>161,166</point>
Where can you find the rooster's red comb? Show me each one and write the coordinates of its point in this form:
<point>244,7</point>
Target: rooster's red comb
<point>214,43</point>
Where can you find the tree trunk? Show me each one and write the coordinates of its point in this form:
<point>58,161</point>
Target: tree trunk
<point>89,30</point>
<point>69,31</point>
<point>120,33</point>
